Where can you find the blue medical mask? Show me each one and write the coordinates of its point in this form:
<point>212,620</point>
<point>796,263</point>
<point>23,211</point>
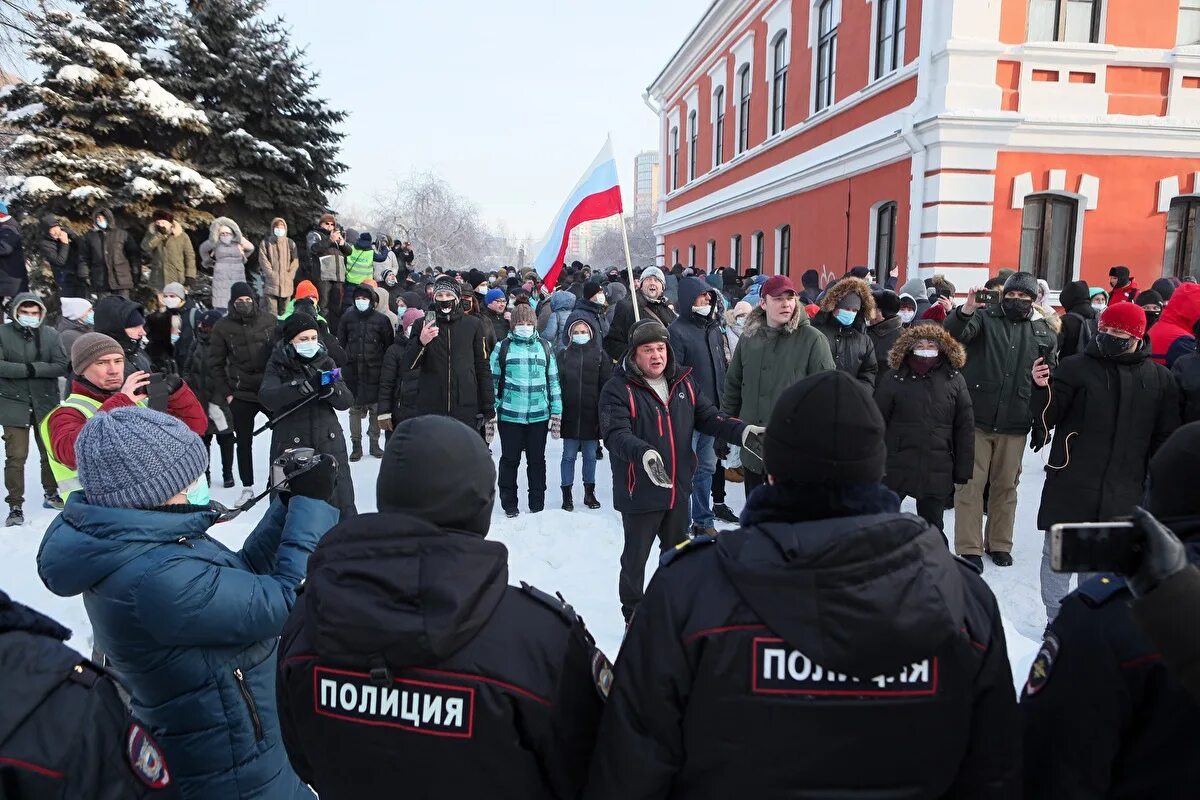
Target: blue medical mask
<point>90,319</point>
<point>845,317</point>
<point>174,338</point>
<point>581,338</point>
<point>280,232</point>
<point>523,331</point>
<point>102,224</point>
<point>197,494</point>
<point>362,304</point>
<point>29,322</point>
<point>307,349</point>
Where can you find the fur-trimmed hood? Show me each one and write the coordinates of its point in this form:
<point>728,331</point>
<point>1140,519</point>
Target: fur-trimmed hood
<point>954,353</point>
<point>845,286</point>
<point>756,323</point>
<point>214,230</point>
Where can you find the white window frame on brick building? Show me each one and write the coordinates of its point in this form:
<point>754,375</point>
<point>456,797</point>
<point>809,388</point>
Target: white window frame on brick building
<point>881,212</point>
<point>758,249</point>
<point>719,99</point>
<point>821,41</point>
<point>743,64</point>
<point>693,142</point>
<point>711,247</point>
<point>674,158</point>
<point>1032,254</point>
<point>776,61</point>
<point>1061,21</point>
<point>735,253</point>
<point>783,250</point>
<point>1183,231</point>
<point>692,256</point>
<point>889,21</point>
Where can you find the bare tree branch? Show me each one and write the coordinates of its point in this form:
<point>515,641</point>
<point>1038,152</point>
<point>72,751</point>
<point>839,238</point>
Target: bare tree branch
<point>444,227</point>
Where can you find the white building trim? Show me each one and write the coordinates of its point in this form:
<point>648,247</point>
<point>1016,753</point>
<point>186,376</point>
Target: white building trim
<point>779,23</point>
<point>718,76</point>
<point>900,40</point>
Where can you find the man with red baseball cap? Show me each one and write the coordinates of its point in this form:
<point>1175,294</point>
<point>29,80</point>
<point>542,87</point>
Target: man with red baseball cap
<point>778,347</point>
<point>1111,407</point>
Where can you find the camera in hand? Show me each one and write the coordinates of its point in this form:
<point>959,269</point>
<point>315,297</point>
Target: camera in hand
<point>290,462</point>
<point>331,376</point>
<point>987,297</point>
<point>1096,547</point>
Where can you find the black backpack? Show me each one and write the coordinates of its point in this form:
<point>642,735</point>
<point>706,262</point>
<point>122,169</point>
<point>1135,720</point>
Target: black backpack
<point>503,359</point>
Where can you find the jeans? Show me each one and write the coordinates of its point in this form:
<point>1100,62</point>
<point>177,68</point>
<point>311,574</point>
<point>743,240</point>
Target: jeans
<point>571,448</point>
<point>245,413</point>
<point>16,450</point>
<point>1056,585</point>
<point>516,438</point>
<point>702,479</point>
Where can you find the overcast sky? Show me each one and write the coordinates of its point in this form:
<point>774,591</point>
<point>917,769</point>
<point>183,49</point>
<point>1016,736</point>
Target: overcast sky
<point>508,101</point>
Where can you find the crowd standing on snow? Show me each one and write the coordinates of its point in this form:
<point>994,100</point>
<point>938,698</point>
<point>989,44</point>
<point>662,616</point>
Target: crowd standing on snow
<point>407,659</point>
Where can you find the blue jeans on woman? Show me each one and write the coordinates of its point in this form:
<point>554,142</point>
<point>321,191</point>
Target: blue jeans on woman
<point>572,448</point>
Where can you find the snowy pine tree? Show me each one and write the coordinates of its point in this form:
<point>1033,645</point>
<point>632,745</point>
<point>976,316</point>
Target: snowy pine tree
<point>95,130</point>
<point>271,139</point>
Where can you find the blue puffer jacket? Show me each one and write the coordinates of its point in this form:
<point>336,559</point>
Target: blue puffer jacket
<point>561,305</point>
<point>191,628</point>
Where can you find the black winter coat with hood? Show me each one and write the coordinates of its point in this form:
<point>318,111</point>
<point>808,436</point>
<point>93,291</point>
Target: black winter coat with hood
<point>797,656</point>
<point>287,382</point>
<point>583,370</point>
<point>853,350</point>
<point>1116,413</point>
<point>366,336</point>
<point>63,259</point>
<point>64,728</point>
<point>634,420</point>
<point>594,314</point>
<point>1077,311</point>
<point>616,341</point>
<point>110,259</point>
<point>698,342</point>
<point>237,357</point>
<point>465,687</point>
<point>451,375</point>
<point>112,312</point>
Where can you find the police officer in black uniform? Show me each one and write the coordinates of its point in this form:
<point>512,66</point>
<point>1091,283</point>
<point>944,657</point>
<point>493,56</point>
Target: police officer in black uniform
<point>832,647</point>
<point>1104,715</point>
<point>410,668</point>
<point>65,730</point>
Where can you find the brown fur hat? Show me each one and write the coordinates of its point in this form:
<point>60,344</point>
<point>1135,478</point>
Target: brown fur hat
<point>952,351</point>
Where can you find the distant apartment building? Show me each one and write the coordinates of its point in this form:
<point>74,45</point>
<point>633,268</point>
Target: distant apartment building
<point>1058,136</point>
<point>647,184</point>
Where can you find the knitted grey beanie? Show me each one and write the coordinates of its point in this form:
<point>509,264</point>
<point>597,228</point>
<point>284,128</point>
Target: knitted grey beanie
<point>137,458</point>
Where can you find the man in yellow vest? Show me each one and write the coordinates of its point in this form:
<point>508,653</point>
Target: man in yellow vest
<point>99,384</point>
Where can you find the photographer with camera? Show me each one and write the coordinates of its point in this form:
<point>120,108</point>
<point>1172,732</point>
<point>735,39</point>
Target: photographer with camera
<point>1105,712</point>
<point>189,626</point>
<point>302,389</point>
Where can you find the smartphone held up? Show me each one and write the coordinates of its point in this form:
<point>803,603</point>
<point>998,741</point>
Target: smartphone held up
<point>1096,547</point>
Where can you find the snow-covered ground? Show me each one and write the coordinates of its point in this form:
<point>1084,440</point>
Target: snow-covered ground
<point>574,553</point>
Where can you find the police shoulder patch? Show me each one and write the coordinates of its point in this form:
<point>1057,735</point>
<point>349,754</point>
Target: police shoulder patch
<point>686,546</point>
<point>1043,665</point>
<point>146,758</point>
<point>602,673</point>
<point>1102,588</point>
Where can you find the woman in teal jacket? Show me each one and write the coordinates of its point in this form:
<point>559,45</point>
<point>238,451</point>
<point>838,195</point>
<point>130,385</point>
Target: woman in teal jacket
<point>528,404</point>
<point>189,626</point>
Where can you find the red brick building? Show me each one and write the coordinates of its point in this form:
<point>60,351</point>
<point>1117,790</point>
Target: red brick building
<point>1060,136</point>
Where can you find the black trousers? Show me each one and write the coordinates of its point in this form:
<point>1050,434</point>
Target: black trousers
<point>932,510</point>
<point>669,527</point>
<point>718,482</point>
<point>244,414</point>
<point>225,444</point>
<point>752,480</point>
<point>515,439</point>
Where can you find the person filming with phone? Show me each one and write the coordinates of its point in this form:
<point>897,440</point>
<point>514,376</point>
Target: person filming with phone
<point>303,390</point>
<point>1106,710</point>
<point>1111,407</point>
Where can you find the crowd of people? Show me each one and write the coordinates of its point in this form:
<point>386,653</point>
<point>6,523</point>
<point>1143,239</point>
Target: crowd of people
<point>354,654</point>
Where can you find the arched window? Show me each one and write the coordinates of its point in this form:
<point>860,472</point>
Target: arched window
<point>712,254</point>
<point>1048,238</point>
<point>693,140</point>
<point>674,166</point>
<point>719,127</point>
<point>785,250</point>
<point>885,238</point>
<point>826,54</point>
<point>779,84</point>
<point>1182,257</point>
<point>743,142</point>
<point>737,253</point>
<point>759,249</point>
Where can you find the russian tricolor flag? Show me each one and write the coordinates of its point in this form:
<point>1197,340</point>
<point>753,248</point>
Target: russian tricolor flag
<point>596,196</point>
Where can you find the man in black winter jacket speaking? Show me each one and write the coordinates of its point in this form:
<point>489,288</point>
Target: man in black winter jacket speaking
<point>410,668</point>
<point>832,647</point>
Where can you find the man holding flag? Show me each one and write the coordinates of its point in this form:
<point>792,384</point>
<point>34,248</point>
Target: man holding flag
<point>648,302</point>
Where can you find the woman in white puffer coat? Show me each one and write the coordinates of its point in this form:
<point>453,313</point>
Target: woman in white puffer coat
<point>225,253</point>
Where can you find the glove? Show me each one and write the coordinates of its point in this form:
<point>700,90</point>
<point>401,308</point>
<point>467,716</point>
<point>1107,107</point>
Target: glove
<point>489,430</point>
<point>653,464</point>
<point>1163,554</point>
<point>722,450</point>
<point>752,430</point>
<point>29,370</point>
<point>173,382</point>
<point>318,483</point>
<point>556,426</point>
<point>304,387</point>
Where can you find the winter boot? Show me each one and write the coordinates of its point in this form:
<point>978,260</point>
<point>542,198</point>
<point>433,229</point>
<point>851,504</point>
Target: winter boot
<point>511,513</point>
<point>1001,559</point>
<point>589,496</point>
<point>568,502</point>
<point>229,484</point>
<point>600,451</point>
<point>15,517</point>
<point>724,513</point>
<point>53,501</point>
<point>376,450</point>
<point>699,531</point>
<point>356,450</point>
<point>536,502</point>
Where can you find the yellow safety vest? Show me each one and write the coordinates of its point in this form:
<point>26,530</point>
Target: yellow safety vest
<point>68,479</point>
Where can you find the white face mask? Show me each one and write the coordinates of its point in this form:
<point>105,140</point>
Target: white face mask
<point>362,304</point>
<point>907,316</point>
<point>226,238</point>
<point>280,232</point>
<point>925,353</point>
<point>171,301</point>
<point>581,338</point>
<point>1099,306</point>
<point>702,311</point>
<point>600,299</point>
<point>523,331</point>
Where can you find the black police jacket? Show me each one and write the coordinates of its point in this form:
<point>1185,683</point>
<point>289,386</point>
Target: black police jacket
<point>1103,716</point>
<point>409,667</point>
<point>832,647</point>
<point>64,729</point>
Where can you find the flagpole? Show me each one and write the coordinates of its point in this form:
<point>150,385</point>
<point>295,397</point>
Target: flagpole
<point>629,269</point>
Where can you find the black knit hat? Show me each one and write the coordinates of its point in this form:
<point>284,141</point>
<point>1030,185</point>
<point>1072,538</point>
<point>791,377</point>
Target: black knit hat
<point>592,288</point>
<point>888,302</point>
<point>240,289</point>
<point>1121,274</point>
<point>825,429</point>
<point>1024,282</point>
<point>296,324</point>
<point>362,290</point>
<point>447,284</point>
<point>475,277</point>
<point>1148,298</point>
<point>647,331</point>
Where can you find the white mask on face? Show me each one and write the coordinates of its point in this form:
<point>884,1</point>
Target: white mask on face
<point>280,232</point>
<point>226,238</point>
<point>600,299</point>
<point>171,301</point>
<point>907,316</point>
<point>523,331</point>
<point>702,311</point>
<point>362,304</point>
<point>925,353</point>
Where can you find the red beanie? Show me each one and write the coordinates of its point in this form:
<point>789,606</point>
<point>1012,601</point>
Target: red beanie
<point>305,289</point>
<point>1127,317</point>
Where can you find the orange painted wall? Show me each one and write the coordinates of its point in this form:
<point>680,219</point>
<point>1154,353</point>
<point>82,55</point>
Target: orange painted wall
<point>1014,18</point>
<point>1142,23</point>
<point>1138,90</point>
<point>819,224</point>
<point>1125,228</point>
<point>1008,78</point>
